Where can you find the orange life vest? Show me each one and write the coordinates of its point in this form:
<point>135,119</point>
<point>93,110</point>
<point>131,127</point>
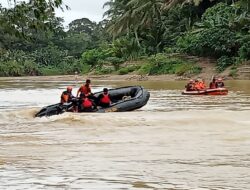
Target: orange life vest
<point>84,90</point>
<point>105,99</point>
<point>197,86</point>
<point>202,85</point>
<point>64,97</point>
<point>87,103</point>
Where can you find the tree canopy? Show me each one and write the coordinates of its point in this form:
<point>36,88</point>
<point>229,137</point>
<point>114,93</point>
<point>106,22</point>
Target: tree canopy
<point>131,30</point>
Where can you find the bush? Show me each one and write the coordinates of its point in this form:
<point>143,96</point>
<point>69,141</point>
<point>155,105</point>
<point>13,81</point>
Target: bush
<point>50,71</point>
<point>187,69</point>
<point>129,69</point>
<point>162,64</point>
<point>100,70</point>
<point>233,73</point>
<point>85,68</point>
<point>244,51</point>
<point>224,62</point>
<point>115,61</point>
<point>30,68</point>
<point>92,57</point>
<point>215,42</point>
<point>145,69</point>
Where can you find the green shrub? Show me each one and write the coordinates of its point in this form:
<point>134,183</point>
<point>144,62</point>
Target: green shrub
<point>215,42</point>
<point>187,69</point>
<point>129,69</point>
<point>145,69</point>
<point>244,51</point>
<point>162,64</point>
<point>115,61</point>
<point>93,56</point>
<point>101,70</point>
<point>30,68</point>
<point>50,71</point>
<point>233,73</point>
<point>85,68</point>
<point>224,62</point>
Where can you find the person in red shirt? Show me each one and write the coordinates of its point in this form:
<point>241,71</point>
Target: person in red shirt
<point>86,104</point>
<point>84,89</point>
<point>104,99</point>
<point>212,84</point>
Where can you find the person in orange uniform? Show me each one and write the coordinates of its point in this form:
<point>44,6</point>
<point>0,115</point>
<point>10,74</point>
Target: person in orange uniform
<point>202,84</point>
<point>219,83</point>
<point>84,89</point>
<point>197,85</point>
<point>190,85</point>
<point>212,84</point>
<point>67,96</point>
<point>104,99</point>
<point>87,104</point>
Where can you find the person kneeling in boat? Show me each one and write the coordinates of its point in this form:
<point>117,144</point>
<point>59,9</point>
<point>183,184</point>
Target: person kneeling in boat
<point>199,85</point>
<point>104,99</point>
<point>190,85</point>
<point>67,96</point>
<point>219,83</point>
<point>86,104</point>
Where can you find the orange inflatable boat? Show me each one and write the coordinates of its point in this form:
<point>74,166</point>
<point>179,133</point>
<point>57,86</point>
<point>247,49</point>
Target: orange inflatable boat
<point>215,91</point>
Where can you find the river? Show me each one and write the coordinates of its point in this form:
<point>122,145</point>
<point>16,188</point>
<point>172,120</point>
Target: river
<point>175,142</point>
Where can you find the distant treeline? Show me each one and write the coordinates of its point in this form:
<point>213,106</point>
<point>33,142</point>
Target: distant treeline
<point>34,42</point>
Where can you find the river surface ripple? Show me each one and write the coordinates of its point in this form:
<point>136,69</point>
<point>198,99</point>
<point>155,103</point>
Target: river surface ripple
<point>175,142</point>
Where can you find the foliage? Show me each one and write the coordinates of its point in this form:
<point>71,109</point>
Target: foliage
<point>129,69</point>
<point>33,40</point>
<point>221,15</point>
<point>115,61</point>
<point>210,42</point>
<point>91,57</point>
<point>126,48</point>
<point>17,63</point>
<point>244,50</point>
<point>233,73</point>
<point>162,64</point>
<point>223,62</point>
<point>103,70</point>
<point>50,55</point>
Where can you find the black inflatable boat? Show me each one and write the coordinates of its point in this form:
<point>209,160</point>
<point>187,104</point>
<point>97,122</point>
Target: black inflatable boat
<point>123,99</point>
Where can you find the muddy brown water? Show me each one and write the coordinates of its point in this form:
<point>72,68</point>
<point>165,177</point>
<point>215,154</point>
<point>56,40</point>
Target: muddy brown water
<point>174,142</point>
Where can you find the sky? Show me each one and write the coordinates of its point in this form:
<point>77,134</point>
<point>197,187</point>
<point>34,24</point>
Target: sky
<point>91,9</point>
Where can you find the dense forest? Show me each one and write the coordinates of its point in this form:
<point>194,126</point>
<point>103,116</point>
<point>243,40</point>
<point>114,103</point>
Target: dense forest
<point>150,33</point>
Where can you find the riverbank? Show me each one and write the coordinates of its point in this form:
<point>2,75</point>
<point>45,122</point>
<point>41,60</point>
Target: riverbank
<point>208,70</point>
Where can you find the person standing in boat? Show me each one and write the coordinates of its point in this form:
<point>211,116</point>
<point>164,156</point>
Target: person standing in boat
<point>212,84</point>
<point>84,89</point>
<point>67,96</point>
<point>219,83</point>
<point>104,99</point>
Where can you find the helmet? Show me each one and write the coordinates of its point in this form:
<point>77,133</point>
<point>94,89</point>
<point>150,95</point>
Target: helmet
<point>88,81</point>
<point>219,79</point>
<point>105,90</point>
<point>191,80</point>
<point>69,88</point>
